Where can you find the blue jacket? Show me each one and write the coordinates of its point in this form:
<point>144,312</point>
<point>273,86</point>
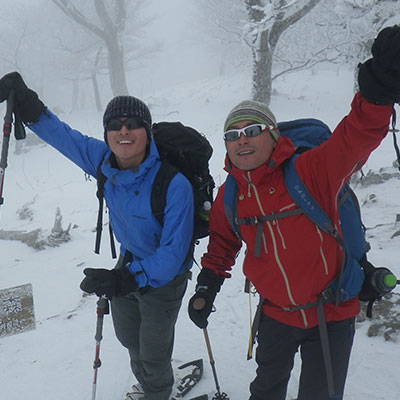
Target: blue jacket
<point>158,251</point>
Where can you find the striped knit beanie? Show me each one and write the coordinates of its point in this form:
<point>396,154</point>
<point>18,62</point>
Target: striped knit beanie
<point>250,110</point>
<point>127,106</point>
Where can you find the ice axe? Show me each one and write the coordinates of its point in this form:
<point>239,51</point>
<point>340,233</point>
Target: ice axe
<point>198,304</point>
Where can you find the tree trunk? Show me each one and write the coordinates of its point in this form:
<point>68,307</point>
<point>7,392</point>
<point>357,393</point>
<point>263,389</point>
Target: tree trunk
<point>115,56</point>
<point>96,91</point>
<point>262,71</point>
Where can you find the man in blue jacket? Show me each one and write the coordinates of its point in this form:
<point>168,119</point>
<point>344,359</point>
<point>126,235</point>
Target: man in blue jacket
<point>148,283</point>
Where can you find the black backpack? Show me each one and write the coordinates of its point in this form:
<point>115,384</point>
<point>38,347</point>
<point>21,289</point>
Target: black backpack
<point>182,149</point>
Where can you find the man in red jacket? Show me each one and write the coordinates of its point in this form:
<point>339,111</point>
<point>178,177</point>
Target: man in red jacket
<point>295,260</point>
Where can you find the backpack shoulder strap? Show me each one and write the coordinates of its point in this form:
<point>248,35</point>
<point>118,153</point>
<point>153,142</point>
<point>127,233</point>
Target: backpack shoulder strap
<point>101,180</point>
<point>230,204</point>
<point>303,198</point>
<point>158,198</point>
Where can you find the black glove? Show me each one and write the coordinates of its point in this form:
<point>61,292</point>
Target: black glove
<point>201,303</point>
<point>114,282</point>
<point>27,105</point>
<point>368,292</point>
<point>375,286</point>
<point>379,77</point>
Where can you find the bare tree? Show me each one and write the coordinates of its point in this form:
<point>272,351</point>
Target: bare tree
<point>16,26</point>
<point>267,22</point>
<point>87,65</point>
<point>223,21</point>
<point>363,20</point>
<point>111,25</point>
<point>348,27</point>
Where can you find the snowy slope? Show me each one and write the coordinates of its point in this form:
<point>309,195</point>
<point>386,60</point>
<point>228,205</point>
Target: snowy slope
<point>55,360</point>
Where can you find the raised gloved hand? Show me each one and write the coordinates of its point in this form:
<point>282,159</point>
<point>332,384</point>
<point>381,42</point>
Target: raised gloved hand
<point>379,77</point>
<point>201,303</point>
<point>114,282</point>
<point>27,105</point>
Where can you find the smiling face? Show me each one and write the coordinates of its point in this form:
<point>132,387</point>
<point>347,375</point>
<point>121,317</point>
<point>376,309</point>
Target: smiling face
<point>128,145</point>
<point>250,153</point>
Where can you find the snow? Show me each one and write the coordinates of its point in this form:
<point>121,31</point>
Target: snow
<point>55,360</point>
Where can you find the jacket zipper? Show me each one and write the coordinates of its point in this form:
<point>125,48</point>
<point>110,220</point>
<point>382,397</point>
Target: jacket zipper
<point>321,250</point>
<point>277,259</point>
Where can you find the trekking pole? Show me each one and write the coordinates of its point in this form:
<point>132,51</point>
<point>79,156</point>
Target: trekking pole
<point>198,305</point>
<point>8,119</point>
<point>102,309</point>
<point>218,395</point>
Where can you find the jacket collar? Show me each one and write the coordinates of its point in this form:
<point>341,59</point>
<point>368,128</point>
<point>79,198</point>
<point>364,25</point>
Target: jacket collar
<point>284,149</point>
<point>129,176</point>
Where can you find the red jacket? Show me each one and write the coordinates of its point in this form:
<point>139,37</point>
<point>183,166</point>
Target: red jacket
<point>297,259</point>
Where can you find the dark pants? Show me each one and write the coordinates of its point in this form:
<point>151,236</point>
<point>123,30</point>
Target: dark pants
<point>145,325</point>
<point>277,345</point>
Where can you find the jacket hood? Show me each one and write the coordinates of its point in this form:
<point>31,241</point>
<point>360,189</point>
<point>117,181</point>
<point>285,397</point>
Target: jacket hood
<point>284,149</point>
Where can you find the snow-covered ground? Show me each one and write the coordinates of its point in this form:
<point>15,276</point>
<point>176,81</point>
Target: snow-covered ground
<point>54,361</point>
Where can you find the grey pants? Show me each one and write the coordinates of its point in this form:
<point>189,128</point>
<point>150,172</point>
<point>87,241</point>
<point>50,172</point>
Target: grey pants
<point>145,325</point>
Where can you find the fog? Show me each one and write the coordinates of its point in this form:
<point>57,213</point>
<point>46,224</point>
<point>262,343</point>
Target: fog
<point>162,45</point>
<point>150,45</point>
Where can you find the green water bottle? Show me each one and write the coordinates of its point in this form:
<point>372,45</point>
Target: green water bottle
<point>383,280</point>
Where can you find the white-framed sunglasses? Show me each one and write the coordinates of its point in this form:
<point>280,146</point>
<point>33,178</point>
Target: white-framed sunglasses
<point>250,131</point>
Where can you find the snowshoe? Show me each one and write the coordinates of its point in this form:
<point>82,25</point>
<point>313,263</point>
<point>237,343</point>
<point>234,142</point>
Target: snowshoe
<point>187,376</point>
<point>137,393</point>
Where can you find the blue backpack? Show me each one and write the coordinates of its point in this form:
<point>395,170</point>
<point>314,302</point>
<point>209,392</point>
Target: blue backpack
<point>306,134</point>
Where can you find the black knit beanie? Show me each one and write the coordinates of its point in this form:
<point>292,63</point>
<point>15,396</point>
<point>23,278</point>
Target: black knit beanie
<point>127,106</point>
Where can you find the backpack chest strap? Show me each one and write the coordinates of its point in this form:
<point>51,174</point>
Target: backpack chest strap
<point>259,222</point>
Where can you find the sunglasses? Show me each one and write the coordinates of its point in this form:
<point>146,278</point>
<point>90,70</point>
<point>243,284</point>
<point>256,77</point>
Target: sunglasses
<point>130,123</point>
<point>250,131</point>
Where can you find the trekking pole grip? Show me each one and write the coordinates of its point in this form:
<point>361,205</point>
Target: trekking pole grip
<point>10,109</point>
<point>6,141</point>
<point>7,130</point>
<point>102,309</point>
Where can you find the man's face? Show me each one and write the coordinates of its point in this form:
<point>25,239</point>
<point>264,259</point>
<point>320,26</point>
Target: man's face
<point>128,145</point>
<point>248,153</point>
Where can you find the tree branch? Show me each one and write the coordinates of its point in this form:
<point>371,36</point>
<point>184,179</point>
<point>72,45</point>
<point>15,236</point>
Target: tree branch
<point>280,25</point>
<point>103,15</point>
<point>72,12</point>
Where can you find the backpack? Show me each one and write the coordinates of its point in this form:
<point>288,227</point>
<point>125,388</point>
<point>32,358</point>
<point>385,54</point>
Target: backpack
<point>306,134</point>
<point>182,149</point>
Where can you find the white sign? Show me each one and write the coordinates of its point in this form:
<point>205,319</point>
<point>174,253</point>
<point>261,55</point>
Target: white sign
<point>16,310</point>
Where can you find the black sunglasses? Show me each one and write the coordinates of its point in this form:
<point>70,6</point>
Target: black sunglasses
<point>250,131</point>
<point>130,123</point>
